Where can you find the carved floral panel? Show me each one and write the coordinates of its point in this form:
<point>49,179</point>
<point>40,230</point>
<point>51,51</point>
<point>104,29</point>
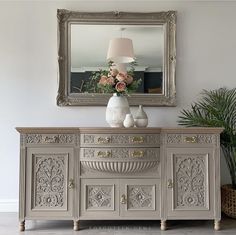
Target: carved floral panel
<point>89,139</point>
<point>190,180</point>
<point>50,138</point>
<point>50,177</point>
<point>141,197</point>
<point>100,197</point>
<point>174,139</point>
<point>199,139</point>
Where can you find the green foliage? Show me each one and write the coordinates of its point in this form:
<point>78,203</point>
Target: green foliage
<point>216,108</point>
<point>134,86</point>
<point>105,88</point>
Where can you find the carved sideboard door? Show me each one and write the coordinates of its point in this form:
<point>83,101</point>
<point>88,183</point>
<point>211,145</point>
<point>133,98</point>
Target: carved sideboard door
<point>114,198</point>
<point>140,198</point>
<point>99,198</point>
<point>49,182</point>
<point>189,183</point>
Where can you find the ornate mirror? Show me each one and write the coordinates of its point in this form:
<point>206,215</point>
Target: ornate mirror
<point>83,41</point>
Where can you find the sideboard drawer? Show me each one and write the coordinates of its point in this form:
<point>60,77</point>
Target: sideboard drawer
<point>117,140</point>
<point>119,160</point>
<point>123,154</point>
<point>47,139</point>
<point>191,139</point>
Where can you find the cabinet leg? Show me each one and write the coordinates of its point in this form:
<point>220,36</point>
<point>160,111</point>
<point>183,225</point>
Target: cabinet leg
<point>22,226</point>
<point>217,225</point>
<point>76,225</point>
<point>163,225</point>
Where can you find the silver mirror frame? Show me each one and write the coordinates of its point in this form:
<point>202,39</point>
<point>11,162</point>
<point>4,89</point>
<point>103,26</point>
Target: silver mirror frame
<point>66,18</point>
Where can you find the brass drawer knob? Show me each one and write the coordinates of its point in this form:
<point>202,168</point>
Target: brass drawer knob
<point>103,140</point>
<point>71,184</point>
<point>190,139</point>
<point>123,199</point>
<point>137,139</point>
<point>104,154</point>
<point>137,153</point>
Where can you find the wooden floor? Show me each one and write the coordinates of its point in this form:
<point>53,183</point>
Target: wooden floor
<point>9,226</point>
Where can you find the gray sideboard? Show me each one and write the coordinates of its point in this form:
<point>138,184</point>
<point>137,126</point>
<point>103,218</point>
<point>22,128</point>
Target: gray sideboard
<point>119,174</point>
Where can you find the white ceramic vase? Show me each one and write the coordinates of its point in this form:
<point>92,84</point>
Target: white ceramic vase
<point>140,118</point>
<point>117,108</point>
<point>129,120</point>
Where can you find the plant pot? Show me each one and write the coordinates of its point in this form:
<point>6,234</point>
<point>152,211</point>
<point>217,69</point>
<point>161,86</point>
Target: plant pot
<point>117,108</point>
<point>228,200</point>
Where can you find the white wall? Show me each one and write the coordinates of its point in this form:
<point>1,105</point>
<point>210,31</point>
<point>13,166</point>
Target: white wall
<point>206,47</point>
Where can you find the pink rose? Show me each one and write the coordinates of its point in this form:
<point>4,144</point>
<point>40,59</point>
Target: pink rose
<point>121,77</point>
<point>110,81</point>
<point>120,86</point>
<point>103,80</point>
<point>113,72</point>
<point>129,79</point>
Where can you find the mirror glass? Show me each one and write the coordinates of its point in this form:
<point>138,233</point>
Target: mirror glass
<point>83,42</point>
<point>89,46</point>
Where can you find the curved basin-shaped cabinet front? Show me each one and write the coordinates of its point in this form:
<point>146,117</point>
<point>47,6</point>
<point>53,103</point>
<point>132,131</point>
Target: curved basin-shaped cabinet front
<point>119,160</point>
<point>119,167</point>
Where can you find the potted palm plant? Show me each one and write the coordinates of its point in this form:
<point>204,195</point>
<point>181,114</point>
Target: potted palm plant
<point>217,108</point>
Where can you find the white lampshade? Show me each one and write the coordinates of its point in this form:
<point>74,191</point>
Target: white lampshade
<point>120,50</point>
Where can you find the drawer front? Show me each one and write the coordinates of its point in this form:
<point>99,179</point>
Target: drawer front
<point>120,140</point>
<point>120,154</point>
<point>191,139</point>
<point>119,160</point>
<point>31,139</point>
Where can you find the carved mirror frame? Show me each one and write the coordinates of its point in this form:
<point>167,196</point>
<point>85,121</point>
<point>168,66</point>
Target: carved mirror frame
<point>166,19</point>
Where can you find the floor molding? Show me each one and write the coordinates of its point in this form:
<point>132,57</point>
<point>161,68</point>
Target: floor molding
<point>9,205</point>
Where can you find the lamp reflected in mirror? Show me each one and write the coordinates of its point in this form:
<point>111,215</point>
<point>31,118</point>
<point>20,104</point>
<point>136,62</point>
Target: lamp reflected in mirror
<point>121,52</point>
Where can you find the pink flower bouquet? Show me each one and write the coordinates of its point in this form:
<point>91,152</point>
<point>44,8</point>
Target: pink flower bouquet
<point>113,81</point>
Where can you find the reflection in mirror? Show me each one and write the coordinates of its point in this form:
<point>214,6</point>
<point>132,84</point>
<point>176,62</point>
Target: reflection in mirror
<point>89,46</point>
<point>83,42</point>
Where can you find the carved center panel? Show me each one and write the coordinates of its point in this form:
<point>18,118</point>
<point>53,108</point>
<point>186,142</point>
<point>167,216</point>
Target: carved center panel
<point>100,197</point>
<point>50,177</point>
<point>190,180</point>
<point>141,197</point>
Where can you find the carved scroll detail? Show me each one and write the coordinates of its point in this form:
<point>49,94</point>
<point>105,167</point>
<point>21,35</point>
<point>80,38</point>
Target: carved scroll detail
<point>50,138</point>
<point>190,181</point>
<point>50,179</point>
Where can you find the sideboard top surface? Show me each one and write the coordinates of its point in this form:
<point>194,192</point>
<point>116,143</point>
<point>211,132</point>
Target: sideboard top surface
<point>48,130</point>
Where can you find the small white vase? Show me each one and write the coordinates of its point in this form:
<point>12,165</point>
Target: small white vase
<point>129,120</point>
<point>117,108</point>
<point>140,118</point>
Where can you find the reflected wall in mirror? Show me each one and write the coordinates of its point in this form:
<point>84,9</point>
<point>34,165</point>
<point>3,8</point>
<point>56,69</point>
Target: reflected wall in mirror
<point>83,44</point>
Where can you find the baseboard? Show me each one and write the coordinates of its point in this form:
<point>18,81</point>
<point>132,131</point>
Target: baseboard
<point>10,205</point>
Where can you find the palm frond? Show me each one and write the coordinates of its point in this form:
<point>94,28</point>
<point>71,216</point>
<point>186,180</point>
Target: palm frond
<point>216,108</point>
